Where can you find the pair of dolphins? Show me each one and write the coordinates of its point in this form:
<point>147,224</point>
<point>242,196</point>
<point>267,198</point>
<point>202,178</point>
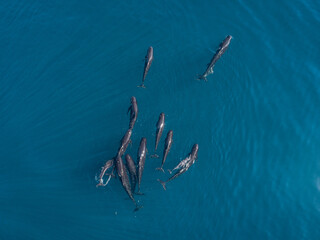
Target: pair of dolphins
<point>220,51</point>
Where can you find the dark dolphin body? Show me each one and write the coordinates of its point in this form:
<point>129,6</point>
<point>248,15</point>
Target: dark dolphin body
<point>108,165</point>
<point>133,112</point>
<point>166,149</point>
<point>132,171</point>
<point>160,127</point>
<point>222,48</point>
<point>122,173</point>
<point>142,153</point>
<point>147,65</point>
<point>191,159</point>
<point>124,142</point>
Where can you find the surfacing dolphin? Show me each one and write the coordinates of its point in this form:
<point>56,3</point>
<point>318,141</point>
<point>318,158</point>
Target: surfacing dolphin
<point>222,48</point>
<point>191,159</point>
<point>142,154</point>
<point>160,127</point>
<point>131,166</point>
<point>147,65</point>
<point>166,149</point>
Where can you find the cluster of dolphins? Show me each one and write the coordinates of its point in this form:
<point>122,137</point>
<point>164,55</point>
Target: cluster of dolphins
<point>135,172</point>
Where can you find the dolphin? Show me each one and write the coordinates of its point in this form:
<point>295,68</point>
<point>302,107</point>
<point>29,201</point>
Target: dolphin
<point>160,127</point>
<point>192,155</point>
<point>142,153</point>
<point>191,160</point>
<point>147,65</point>
<point>133,112</point>
<point>122,173</point>
<point>132,171</point>
<point>108,165</point>
<point>222,48</point>
<point>124,142</point>
<point>166,149</point>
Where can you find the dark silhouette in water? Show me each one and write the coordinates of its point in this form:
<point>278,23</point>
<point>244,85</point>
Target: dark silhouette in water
<point>160,127</point>
<point>132,171</point>
<point>142,153</point>
<point>191,159</point>
<point>147,65</point>
<point>222,48</point>
<point>166,149</point>
<point>133,112</point>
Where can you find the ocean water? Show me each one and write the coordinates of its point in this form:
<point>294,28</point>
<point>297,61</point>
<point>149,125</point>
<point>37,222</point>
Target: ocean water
<point>67,72</point>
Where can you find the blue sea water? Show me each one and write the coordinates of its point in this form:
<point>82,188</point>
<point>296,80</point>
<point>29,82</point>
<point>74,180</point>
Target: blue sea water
<point>67,72</point>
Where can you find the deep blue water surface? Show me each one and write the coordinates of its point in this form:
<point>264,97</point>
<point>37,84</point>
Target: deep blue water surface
<point>67,72</point>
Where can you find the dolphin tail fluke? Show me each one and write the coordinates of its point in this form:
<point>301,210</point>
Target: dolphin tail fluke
<point>154,156</point>
<point>201,77</point>
<point>141,86</point>
<point>138,207</point>
<point>160,169</point>
<point>163,184</point>
<point>139,193</point>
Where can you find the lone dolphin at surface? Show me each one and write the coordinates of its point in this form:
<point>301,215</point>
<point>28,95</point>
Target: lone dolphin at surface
<point>142,153</point>
<point>191,159</point>
<point>166,149</point>
<point>132,171</point>
<point>122,173</point>
<point>222,48</point>
<point>160,127</point>
<point>147,64</point>
<point>133,112</point>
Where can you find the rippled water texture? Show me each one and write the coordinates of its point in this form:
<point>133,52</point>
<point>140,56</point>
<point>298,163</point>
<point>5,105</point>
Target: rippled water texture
<point>68,70</point>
